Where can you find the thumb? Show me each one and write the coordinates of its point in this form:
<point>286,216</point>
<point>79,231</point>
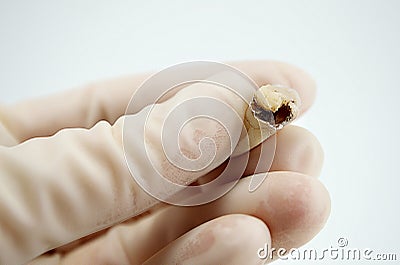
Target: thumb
<point>58,189</point>
<point>182,139</point>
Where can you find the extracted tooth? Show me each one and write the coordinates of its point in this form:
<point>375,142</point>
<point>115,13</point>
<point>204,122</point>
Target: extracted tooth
<point>275,105</point>
<point>271,108</point>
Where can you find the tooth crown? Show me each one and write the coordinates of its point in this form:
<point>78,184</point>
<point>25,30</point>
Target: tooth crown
<point>271,109</point>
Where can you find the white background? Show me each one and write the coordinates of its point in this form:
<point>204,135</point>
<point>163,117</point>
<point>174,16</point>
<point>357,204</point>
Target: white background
<point>350,47</point>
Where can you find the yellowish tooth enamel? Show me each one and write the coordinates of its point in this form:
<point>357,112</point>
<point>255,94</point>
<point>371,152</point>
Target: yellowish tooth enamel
<point>272,108</point>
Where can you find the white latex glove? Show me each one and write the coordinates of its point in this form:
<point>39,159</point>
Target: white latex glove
<point>64,176</point>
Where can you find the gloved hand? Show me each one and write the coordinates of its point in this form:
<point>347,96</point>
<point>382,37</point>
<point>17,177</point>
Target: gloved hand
<point>66,188</point>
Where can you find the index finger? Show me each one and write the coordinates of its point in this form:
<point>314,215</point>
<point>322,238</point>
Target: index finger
<point>107,100</point>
